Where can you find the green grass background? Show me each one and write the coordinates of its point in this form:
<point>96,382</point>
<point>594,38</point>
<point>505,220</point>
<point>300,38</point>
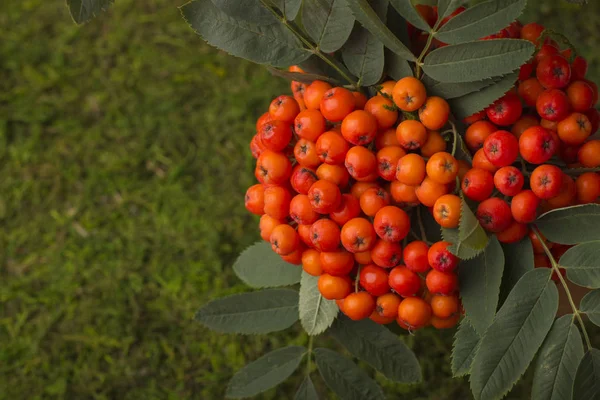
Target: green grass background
<point>123,164</point>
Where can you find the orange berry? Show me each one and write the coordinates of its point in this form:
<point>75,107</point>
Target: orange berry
<point>442,167</point>
<point>429,191</point>
<point>314,93</point>
<point>383,110</point>
<point>435,144</point>
<point>311,262</point>
<point>411,134</point>
<point>445,306</point>
<point>414,312</point>
<point>284,239</point>
<point>387,305</point>
<point>447,210</point>
<point>409,94</point>
<point>411,169</point>
<point>434,113</point>
<point>358,235</point>
<point>358,306</point>
<point>337,103</point>
<point>359,127</point>
<point>373,199</point>
<point>334,287</point>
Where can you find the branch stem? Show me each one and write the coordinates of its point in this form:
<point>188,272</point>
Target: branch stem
<point>556,269</point>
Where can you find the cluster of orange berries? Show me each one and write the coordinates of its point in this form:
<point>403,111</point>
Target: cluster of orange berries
<point>337,172</point>
<point>538,131</point>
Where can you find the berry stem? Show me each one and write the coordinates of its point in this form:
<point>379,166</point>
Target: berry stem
<point>421,226</point>
<point>314,49</point>
<point>454,138</point>
<point>555,267</point>
<point>357,279</point>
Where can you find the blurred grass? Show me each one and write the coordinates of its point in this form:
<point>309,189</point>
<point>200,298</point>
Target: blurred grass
<point>123,164</point>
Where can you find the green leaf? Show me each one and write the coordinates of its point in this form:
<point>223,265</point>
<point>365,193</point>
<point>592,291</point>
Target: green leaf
<point>367,16</point>
<point>259,267</point>
<point>583,265</point>
<point>515,335</point>
<point>571,225</point>
<point>470,232</point>
<point>481,20</point>
<point>316,312</point>
<point>395,66</point>
<point>315,65</point>
<point>467,105</point>
<point>84,10</point>
<point>479,280</point>
<point>307,390</point>
<point>266,372</point>
<point>363,55</point>
<point>587,378</point>
<point>380,348</point>
<point>410,14</point>
<point>457,248</point>
<point>302,77</point>
<point>452,90</point>
<point>447,7</point>
<point>344,378</point>
<point>466,344</point>
<point>246,10</point>
<point>269,44</point>
<point>265,311</point>
<point>557,361</point>
<point>328,23</point>
<point>289,8</point>
<point>472,61</point>
<point>518,260</point>
<point>590,305</point>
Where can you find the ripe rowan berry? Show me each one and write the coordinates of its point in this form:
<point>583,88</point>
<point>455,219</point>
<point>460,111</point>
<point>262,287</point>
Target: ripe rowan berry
<point>589,154</point>
<point>553,105</point>
<point>314,93</point>
<point>255,199</point>
<point>360,162</point>
<point>387,160</point>
<point>302,179</point>
<point>337,263</point>
<point>310,124</point>
<point>277,202</point>
<point>373,199</point>
<point>434,113</point>
<point>411,134</point>
<point>474,118</point>
<point>386,254</point>
<point>439,282</point>
<point>481,161</point>
<point>276,135</point>
<point>324,196</point>
<point>391,223</point>
<point>358,306</point>
<point>358,188</point>
<point>478,184</point>
<point>537,145</point>
<point>266,226</point>
<point>501,148</point>
<point>574,129</point>
<point>335,174</point>
<point>284,108</point>
<point>387,305</point>
<point>442,168</point>
<point>386,89</point>
<point>524,206</point>
<point>301,210</point>
<point>359,127</point>
<point>383,110</point>
<point>565,197</point>
<point>429,191</point>
<point>440,258</point>
<point>336,103</point>
<point>414,312</point>
<point>553,72</point>
<point>325,235</point>
<point>403,194</point>
<point>374,280</point>
<point>332,148</point>
<point>494,214</point>
<point>581,96</point>
<point>514,233</point>
<point>386,138</point>
<point>532,32</point>
<point>378,319</point>
<point>526,70</point>
<point>409,94</point>
<point>509,180</point>
<point>444,323</point>
<point>546,181</point>
<point>446,211</point>
<point>311,262</point>
<point>506,110</point>
<point>476,134</point>
<point>359,100</point>
<point>404,281</point>
<point>411,169</point>
<point>349,208</point>
<point>445,306</point>
<point>284,239</point>
<point>273,168</point>
<point>304,234</point>
<point>334,287</point>
<point>435,144</point>
<point>358,235</point>
<point>588,187</point>
<point>579,68</point>
<point>305,152</point>
<point>295,257</point>
<point>545,50</point>
<point>524,123</point>
<point>529,90</point>
<point>415,256</point>
<point>257,146</point>
<point>263,119</point>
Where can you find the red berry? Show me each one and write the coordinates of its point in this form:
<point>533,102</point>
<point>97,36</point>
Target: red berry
<point>441,282</point>
<point>554,72</point>
<point>553,105</point>
<point>478,184</point>
<point>546,181</point>
<point>494,214</point>
<point>506,110</point>
<point>524,207</point>
<point>374,280</point>
<point>537,145</point>
<point>415,256</point>
<point>509,180</point>
<point>404,281</point>
<point>440,258</point>
<point>501,148</point>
